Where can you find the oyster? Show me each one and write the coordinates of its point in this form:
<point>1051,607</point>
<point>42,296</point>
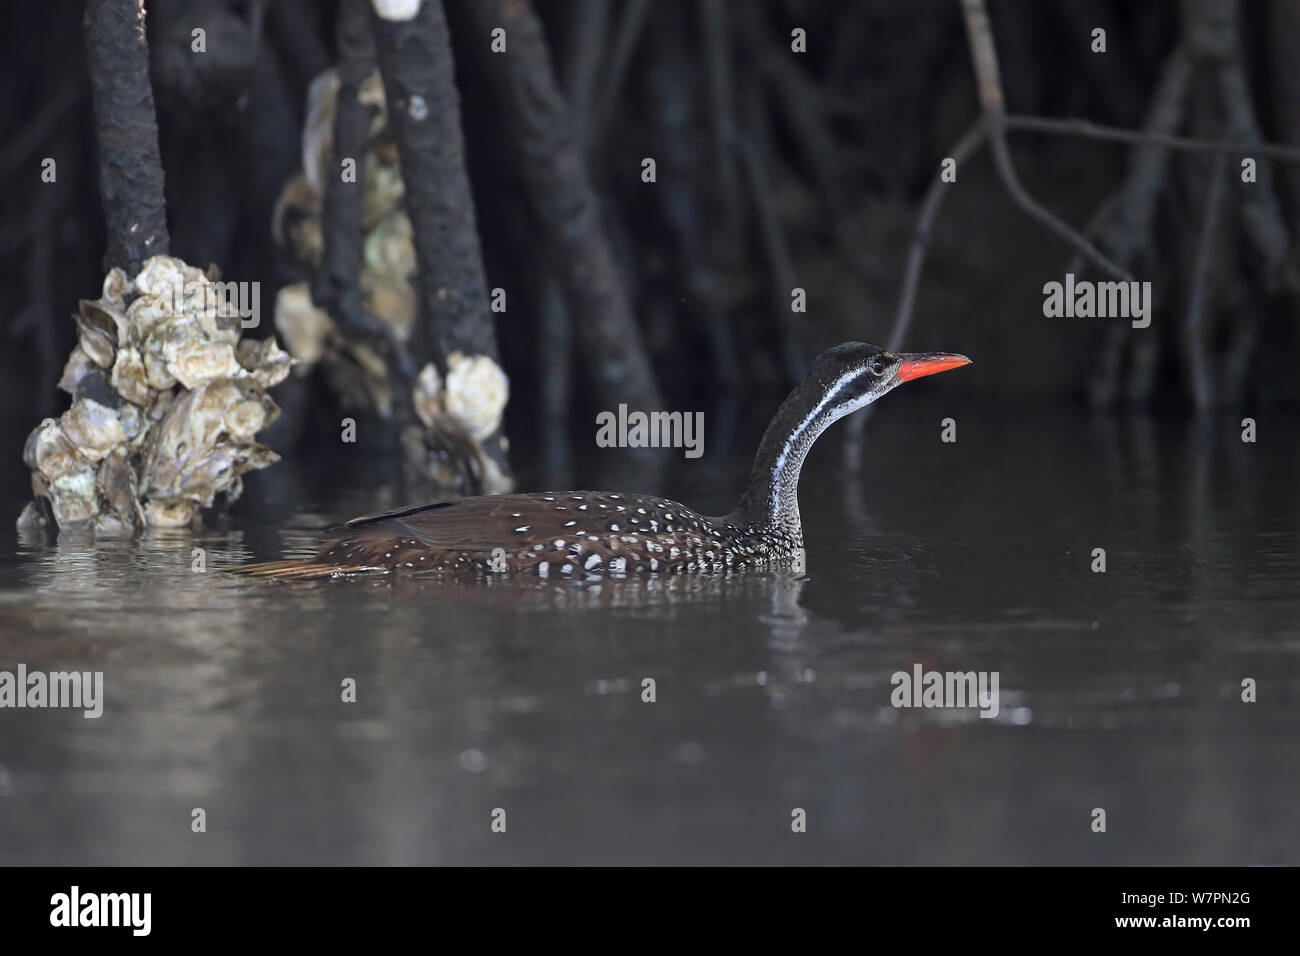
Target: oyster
<point>204,443</point>
<point>135,424</point>
<point>97,337</point>
<point>318,130</point>
<point>390,247</point>
<point>264,361</point>
<point>172,513</point>
<point>110,317</point>
<point>78,366</point>
<point>384,191</point>
<point>93,428</point>
<point>129,378</point>
<point>50,453</point>
<point>147,313</point>
<point>476,392</point>
<point>73,497</point>
<point>116,484</point>
<point>306,329</point>
<point>202,362</point>
<point>36,515</point>
<point>115,287</point>
<point>428,395</point>
<point>296,226</point>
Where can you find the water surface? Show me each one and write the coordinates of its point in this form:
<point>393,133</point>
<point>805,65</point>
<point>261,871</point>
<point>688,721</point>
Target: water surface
<point>1118,690</point>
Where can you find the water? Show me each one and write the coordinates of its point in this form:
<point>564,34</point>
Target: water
<point>1118,690</point>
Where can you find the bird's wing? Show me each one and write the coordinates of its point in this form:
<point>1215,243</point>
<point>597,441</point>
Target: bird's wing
<point>471,524</point>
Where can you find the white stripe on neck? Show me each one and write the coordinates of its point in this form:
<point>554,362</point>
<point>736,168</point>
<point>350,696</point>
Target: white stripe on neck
<point>804,423</point>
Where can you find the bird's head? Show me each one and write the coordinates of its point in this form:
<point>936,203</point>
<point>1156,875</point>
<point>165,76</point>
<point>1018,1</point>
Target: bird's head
<point>855,374</point>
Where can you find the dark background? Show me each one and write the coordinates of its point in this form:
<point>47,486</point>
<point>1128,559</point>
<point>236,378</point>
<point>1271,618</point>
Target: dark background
<point>848,137</point>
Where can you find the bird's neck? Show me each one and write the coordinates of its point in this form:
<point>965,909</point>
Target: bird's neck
<point>772,499</point>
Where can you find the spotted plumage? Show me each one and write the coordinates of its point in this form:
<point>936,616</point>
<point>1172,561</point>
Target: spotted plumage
<point>576,534</point>
<point>617,533</point>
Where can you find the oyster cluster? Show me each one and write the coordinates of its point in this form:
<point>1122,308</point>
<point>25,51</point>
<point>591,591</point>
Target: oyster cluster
<point>355,370</point>
<point>458,415</point>
<point>167,400</point>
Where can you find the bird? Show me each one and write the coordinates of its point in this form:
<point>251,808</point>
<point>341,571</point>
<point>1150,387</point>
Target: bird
<point>577,534</point>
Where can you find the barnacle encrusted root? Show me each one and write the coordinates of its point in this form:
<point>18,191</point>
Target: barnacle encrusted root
<point>167,400</point>
<point>458,414</point>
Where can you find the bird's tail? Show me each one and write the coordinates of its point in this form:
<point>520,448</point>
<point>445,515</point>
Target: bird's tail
<point>301,569</point>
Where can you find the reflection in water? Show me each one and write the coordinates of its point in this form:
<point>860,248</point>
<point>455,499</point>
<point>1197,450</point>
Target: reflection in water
<point>771,691</point>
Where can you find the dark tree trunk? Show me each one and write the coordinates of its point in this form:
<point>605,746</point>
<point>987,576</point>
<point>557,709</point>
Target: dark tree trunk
<point>337,286</point>
<point>550,160</point>
<point>130,167</point>
<point>424,115</point>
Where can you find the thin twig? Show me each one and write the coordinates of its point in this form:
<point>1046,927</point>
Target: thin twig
<point>1007,172</point>
<point>1126,228</point>
<point>984,58</point>
<point>934,197</point>
<point>1091,228</point>
<point>1087,129</point>
<point>591,17</point>
<point>1201,381</point>
<point>625,41</point>
<point>802,105</point>
<point>1260,211</point>
<point>962,150</point>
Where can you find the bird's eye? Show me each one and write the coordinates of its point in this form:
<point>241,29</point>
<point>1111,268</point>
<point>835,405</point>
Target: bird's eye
<point>877,367</point>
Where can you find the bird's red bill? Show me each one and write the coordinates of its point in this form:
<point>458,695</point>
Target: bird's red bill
<point>919,364</point>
